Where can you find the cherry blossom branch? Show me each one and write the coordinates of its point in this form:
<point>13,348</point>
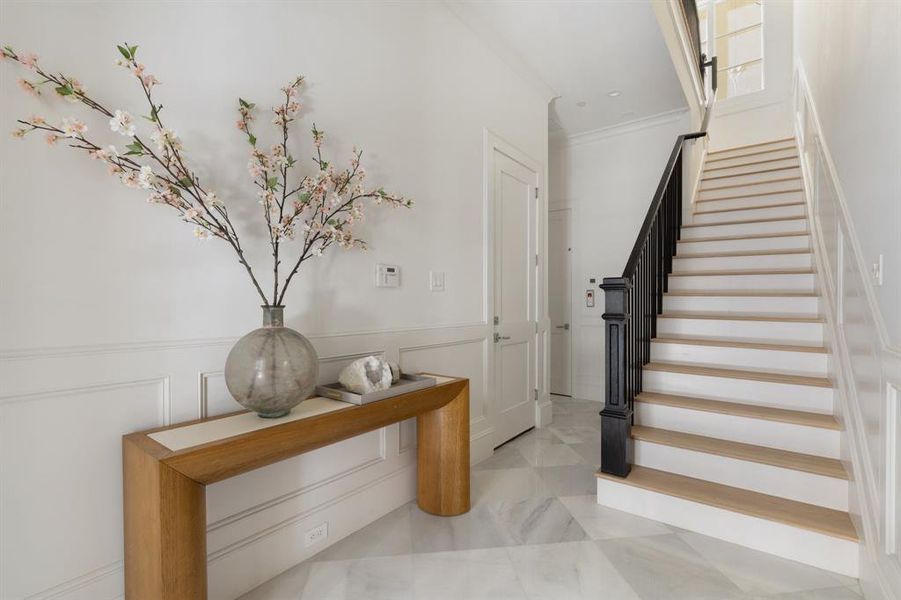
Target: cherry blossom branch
<point>325,205</point>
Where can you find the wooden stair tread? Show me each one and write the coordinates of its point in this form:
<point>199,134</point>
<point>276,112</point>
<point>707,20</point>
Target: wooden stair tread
<point>742,208</point>
<point>760,172</point>
<point>757,162</point>
<point>721,272</point>
<point>789,512</point>
<point>724,343</point>
<point>724,254</point>
<point>755,195</point>
<point>746,221</point>
<point>746,293</point>
<point>744,236</point>
<point>807,463</point>
<point>742,147</point>
<point>763,376</point>
<point>738,409</point>
<point>788,148</point>
<point>735,316</point>
<point>735,185</point>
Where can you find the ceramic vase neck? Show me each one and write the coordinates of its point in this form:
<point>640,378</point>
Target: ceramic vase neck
<point>273,316</point>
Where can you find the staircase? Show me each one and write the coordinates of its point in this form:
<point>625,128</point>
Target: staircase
<point>733,432</point>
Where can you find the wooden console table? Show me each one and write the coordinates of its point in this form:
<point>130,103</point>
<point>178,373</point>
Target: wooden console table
<point>166,471</point>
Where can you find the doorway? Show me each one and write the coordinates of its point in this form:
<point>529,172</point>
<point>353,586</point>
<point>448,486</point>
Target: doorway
<point>513,195</point>
<point>560,299</point>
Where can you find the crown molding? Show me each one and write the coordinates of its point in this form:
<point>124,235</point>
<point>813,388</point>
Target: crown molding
<point>594,135</point>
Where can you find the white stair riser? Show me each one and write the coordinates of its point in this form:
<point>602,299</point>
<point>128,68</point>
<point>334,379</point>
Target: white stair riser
<point>762,147</point>
<point>801,486</point>
<point>759,261</point>
<point>714,180</point>
<point>788,242</point>
<point>808,547</point>
<point>787,226</point>
<point>788,281</point>
<point>732,203</point>
<point>759,393</point>
<point>781,305</point>
<point>716,162</point>
<point>785,212</point>
<point>746,331</point>
<point>760,432</point>
<point>716,169</point>
<point>797,363</point>
<point>756,190</point>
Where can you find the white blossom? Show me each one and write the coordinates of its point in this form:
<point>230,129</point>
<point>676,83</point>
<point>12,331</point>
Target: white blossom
<point>123,123</point>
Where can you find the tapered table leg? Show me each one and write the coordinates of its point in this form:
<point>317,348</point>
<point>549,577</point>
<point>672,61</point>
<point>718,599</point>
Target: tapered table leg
<point>165,529</point>
<point>443,457</point>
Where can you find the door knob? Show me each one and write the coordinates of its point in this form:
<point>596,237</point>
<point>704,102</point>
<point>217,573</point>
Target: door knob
<point>498,337</point>
<point>564,326</point>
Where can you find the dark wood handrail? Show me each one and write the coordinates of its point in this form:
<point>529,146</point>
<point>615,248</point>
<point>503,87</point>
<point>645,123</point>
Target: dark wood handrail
<point>634,299</point>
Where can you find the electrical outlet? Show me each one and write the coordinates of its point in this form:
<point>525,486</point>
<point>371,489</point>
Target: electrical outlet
<point>877,271</point>
<point>316,535</point>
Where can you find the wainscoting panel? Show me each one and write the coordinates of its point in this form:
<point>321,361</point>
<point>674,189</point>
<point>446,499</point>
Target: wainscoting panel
<point>62,488</point>
<point>60,458</point>
<point>866,365</point>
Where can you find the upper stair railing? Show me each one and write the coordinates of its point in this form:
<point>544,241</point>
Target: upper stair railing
<point>634,299</point>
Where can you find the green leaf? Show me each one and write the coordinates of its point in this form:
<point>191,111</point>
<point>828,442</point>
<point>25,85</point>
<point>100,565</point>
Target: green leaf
<point>252,139</point>
<point>185,182</point>
<point>272,182</point>
<point>124,52</point>
<point>133,50</point>
<point>64,90</point>
<point>304,197</point>
<point>242,102</point>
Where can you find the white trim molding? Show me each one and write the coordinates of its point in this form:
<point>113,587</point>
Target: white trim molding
<point>594,135</point>
<point>867,367</point>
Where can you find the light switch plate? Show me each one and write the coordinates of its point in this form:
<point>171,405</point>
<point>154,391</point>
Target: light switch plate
<point>436,281</point>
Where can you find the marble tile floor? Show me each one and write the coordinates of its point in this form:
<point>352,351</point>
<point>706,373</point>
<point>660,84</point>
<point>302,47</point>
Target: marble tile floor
<point>536,532</point>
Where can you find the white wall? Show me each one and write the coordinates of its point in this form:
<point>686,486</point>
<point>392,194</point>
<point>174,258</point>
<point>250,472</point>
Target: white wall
<point>848,57</point>
<point>764,115</point>
<point>114,319</point>
<point>851,55</point>
<point>608,178</point>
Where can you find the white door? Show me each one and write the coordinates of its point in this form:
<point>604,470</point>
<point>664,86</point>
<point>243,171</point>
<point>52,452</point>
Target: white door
<point>514,198</point>
<point>559,273</point>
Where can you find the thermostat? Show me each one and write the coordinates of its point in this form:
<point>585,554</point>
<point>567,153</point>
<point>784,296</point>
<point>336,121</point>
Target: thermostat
<point>387,276</point>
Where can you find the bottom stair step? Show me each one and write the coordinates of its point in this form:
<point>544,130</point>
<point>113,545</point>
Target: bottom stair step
<point>803,477</point>
<point>813,535</point>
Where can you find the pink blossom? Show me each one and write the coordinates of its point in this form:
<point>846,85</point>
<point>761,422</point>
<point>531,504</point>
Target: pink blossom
<point>28,87</point>
<point>149,81</point>
<point>29,60</point>
<point>18,133</point>
<point>123,123</point>
<point>192,213</point>
<point>37,120</point>
<point>73,128</point>
<point>130,179</point>
<point>201,234</point>
<point>240,124</point>
<point>51,139</point>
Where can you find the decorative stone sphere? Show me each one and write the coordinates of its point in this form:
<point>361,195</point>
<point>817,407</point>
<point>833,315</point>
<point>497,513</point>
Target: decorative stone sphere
<point>272,369</point>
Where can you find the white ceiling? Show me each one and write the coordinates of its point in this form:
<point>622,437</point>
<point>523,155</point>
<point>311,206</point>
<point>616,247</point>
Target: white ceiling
<point>582,50</point>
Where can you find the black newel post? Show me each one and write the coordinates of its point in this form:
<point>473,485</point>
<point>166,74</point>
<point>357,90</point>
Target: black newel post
<point>616,417</point>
